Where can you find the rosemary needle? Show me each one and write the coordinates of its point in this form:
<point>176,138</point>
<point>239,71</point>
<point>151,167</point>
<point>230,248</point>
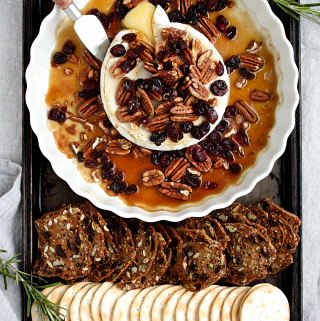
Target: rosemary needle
<point>32,289</point>
<point>296,9</point>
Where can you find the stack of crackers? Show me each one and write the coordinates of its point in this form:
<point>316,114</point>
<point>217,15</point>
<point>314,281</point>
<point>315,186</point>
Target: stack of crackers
<point>237,245</point>
<point>87,301</point>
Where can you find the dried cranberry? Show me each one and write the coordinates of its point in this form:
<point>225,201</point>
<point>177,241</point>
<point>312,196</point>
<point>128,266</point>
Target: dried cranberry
<point>195,132</point>
<point>175,46</point>
<point>182,44</point>
<point>192,16</point>
<point>92,163</point>
<point>129,37</point>
<point>222,5</point>
<point>165,160</point>
<point>193,181</point>
<point>145,120</point>
<point>60,58</point>
<point>128,65</point>
<point>155,158</point>
<point>245,73</point>
<point>106,161</point>
<point>235,168</point>
<point>176,16</point>
<point>173,133</point>
<point>228,156</point>
<point>222,126</point>
<point>212,5</point>
<point>155,84</point>
<point>133,106</point>
<point>211,115</point>
<point>129,85</point>
<point>107,173</point>
<point>204,128</point>
<point>164,4</point>
<point>167,65</point>
<point>69,47</point>
<point>169,94</point>
<point>80,157</point>
<point>56,115</point>
<point>198,154</point>
<point>132,189</point>
<point>122,9</point>
<point>87,94</point>
<point>201,8</point>
<point>161,139</point>
<point>200,107</point>
<point>180,152</point>
<point>96,154</point>
<point>132,54</point>
<point>89,84</point>
<point>229,144</point>
<point>154,137</point>
<point>162,55</point>
<point>118,187</point>
<point>215,137</point>
<point>104,20</point>
<point>205,143</point>
<point>222,20</point>
<point>114,16</point>
<point>232,63</point>
<point>231,33</point>
<point>209,185</point>
<point>141,83</point>
<point>221,27</point>
<point>185,68</point>
<point>186,127</point>
<point>219,88</point>
<point>118,50</point>
<point>219,68</point>
<point>214,149</point>
<point>107,123</point>
<point>242,137</point>
<point>94,12</point>
<point>119,176</point>
<point>139,49</point>
<point>230,112</point>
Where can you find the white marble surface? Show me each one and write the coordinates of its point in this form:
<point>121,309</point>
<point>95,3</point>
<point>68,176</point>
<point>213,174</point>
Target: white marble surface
<point>10,132</point>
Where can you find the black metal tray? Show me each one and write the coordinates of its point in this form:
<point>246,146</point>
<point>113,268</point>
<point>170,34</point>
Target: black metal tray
<point>44,191</point>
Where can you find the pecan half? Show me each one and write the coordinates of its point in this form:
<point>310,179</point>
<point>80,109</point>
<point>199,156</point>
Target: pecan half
<point>179,118</point>
<point>175,190</point>
<point>155,95</point>
<point>251,62</point>
<point>152,178</point>
<point>141,151</point>
<point>168,76</point>
<point>123,116</point>
<point>190,100</point>
<point>192,170</point>
<point>91,60</point>
<point>146,103</point>
<point>122,95</point>
<point>174,33</point>
<point>208,72</point>
<point>152,67</point>
<point>118,147</point>
<point>254,46</point>
<point>198,90</point>
<point>75,147</point>
<point>195,72</point>
<point>183,5</point>
<point>192,154</point>
<point>131,3</point>
<point>88,107</point>
<point>196,48</point>
<point>158,123</point>
<point>165,107</point>
<point>176,169</point>
<point>258,95</point>
<point>182,109</point>
<point>148,55</point>
<point>90,127</point>
<point>231,130</point>
<point>77,119</point>
<point>84,75</point>
<point>95,176</point>
<point>241,82</point>
<point>208,28</point>
<point>220,162</point>
<point>188,55</point>
<point>92,144</point>
<point>204,58</point>
<point>248,113</point>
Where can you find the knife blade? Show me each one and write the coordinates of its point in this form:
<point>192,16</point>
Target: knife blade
<point>88,27</point>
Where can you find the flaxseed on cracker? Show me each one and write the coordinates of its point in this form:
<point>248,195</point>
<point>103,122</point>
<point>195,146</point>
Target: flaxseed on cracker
<point>64,248</point>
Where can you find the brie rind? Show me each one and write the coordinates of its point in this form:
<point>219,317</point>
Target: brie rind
<point>109,85</point>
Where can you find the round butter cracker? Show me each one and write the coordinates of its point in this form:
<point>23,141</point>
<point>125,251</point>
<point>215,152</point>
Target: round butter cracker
<point>207,302</point>
<point>170,308</point>
<point>97,298</point>
<point>181,309</point>
<point>86,304</point>
<point>109,301</point>
<point>216,309</point>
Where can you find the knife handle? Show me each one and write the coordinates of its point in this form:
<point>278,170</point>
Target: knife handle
<point>63,4</point>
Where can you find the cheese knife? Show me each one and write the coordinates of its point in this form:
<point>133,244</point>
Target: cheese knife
<point>88,27</point>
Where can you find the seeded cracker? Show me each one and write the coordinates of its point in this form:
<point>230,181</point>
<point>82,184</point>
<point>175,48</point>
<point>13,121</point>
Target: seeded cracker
<point>248,254</point>
<point>64,249</point>
<point>202,262</point>
<point>123,241</point>
<point>146,243</point>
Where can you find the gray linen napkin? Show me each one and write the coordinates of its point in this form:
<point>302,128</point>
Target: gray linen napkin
<point>10,235</point>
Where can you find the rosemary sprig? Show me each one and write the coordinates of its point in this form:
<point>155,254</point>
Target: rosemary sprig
<point>32,289</point>
<point>296,9</point>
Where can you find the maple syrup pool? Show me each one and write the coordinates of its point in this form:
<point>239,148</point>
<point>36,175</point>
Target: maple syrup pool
<point>63,88</point>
